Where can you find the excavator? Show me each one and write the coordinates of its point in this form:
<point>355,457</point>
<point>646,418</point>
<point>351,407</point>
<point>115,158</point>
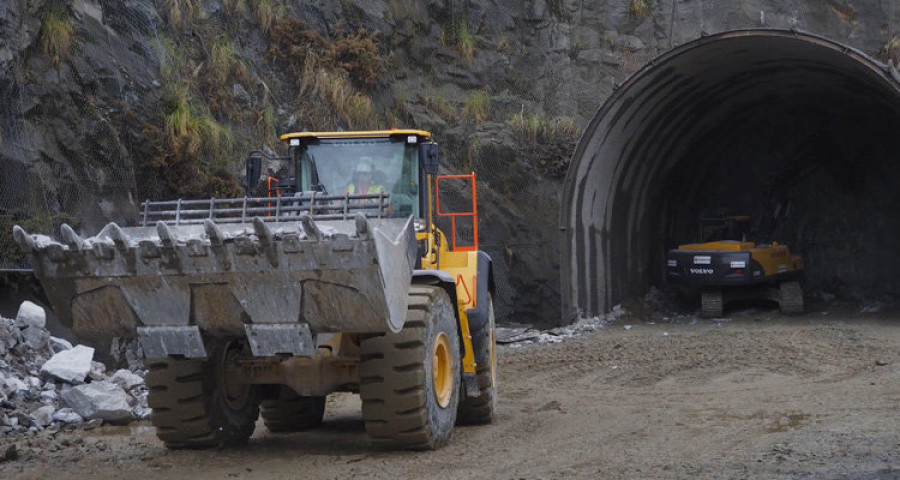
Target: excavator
<point>264,305</point>
<point>725,266</point>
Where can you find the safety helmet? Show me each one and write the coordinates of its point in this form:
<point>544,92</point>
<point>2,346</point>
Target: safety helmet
<point>364,165</point>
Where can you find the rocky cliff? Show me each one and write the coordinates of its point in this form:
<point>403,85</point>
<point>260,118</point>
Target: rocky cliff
<point>108,102</point>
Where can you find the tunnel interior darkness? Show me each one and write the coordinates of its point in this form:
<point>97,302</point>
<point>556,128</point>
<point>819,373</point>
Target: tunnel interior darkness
<point>795,130</point>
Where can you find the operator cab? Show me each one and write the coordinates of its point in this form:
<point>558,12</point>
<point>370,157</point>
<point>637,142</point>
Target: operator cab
<point>360,163</point>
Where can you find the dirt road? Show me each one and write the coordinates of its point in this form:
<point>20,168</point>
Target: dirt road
<point>760,396</point>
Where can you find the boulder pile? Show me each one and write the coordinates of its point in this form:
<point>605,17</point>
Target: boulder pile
<point>46,383</point>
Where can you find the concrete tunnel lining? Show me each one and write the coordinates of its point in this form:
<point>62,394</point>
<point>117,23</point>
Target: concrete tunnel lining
<point>648,155</point>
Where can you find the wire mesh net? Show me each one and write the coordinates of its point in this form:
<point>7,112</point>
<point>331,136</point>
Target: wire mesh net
<point>530,77</point>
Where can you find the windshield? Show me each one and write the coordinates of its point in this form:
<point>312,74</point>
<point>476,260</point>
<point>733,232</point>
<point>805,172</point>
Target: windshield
<point>365,166</point>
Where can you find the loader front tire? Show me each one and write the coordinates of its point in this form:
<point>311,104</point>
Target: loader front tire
<point>410,380</point>
<point>202,403</point>
<point>292,412</point>
<point>480,410</point>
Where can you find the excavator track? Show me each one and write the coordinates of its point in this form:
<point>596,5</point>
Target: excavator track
<point>791,297</point>
<point>711,303</point>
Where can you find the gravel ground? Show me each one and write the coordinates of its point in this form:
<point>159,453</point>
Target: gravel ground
<point>753,396</point>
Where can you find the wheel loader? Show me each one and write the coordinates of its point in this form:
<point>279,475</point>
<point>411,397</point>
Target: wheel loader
<point>726,267</point>
<point>268,303</point>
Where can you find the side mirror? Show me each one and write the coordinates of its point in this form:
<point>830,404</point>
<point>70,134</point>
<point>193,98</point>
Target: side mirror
<point>428,154</point>
<point>254,169</point>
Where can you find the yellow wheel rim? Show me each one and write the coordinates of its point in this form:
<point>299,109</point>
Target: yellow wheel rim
<point>442,370</point>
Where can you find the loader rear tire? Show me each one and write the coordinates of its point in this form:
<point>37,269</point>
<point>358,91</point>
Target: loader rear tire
<point>292,412</point>
<point>198,403</point>
<point>711,303</point>
<point>410,380</point>
<point>480,410</point>
<point>791,298</point>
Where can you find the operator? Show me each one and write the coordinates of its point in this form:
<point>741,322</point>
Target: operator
<point>362,182</point>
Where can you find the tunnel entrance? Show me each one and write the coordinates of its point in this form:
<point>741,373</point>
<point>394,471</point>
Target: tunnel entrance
<point>798,131</point>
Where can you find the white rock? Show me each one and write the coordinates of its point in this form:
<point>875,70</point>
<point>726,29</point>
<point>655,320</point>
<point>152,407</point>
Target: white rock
<point>49,396</point>
<point>36,337</point>
<point>31,315</point>
<point>126,379</point>
<point>142,413</point>
<point>98,371</point>
<point>101,400</point>
<point>43,416</point>
<point>14,385</point>
<point>59,344</point>
<point>67,415</point>
<point>71,365</point>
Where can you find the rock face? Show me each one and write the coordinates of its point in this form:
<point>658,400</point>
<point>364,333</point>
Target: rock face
<point>79,128</point>
<point>70,366</point>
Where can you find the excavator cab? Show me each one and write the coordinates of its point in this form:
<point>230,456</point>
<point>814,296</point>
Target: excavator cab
<point>725,227</point>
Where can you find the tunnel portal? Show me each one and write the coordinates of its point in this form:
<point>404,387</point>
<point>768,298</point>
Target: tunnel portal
<point>796,130</point>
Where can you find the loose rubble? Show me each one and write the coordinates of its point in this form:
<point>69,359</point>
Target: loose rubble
<point>48,384</point>
<point>518,336</point>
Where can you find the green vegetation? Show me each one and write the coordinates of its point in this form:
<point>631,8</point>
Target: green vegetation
<point>538,128</point>
<point>356,54</point>
<point>181,13</point>
<point>639,9</point>
<point>224,61</point>
<point>266,13</point>
<point>478,106</point>
<point>439,104</point>
<point>548,142</point>
<point>57,33</point>
<point>330,76</point>
<point>235,7</point>
<point>891,50</point>
<point>188,129</point>
<point>190,154</point>
<point>352,106</point>
<point>458,36</point>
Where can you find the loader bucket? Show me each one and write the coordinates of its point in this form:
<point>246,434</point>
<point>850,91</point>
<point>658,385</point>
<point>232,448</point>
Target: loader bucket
<point>275,281</point>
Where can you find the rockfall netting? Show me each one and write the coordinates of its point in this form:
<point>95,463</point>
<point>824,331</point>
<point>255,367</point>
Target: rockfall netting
<point>106,103</point>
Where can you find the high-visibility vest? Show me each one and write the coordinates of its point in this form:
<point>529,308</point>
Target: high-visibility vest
<point>373,188</point>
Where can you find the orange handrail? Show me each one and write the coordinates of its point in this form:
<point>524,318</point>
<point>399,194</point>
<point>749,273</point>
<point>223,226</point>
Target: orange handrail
<point>269,192</point>
<point>453,215</point>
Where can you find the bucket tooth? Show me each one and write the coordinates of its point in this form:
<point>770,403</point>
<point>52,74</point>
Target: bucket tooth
<point>266,240</point>
<point>118,236</point>
<point>216,238</point>
<point>217,243</point>
<point>166,235</point>
<point>311,229</point>
<point>263,233</point>
<point>70,238</point>
<point>362,226</point>
<point>26,243</point>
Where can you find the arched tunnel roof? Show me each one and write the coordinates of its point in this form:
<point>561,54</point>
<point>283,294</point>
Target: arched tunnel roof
<point>678,122</point>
